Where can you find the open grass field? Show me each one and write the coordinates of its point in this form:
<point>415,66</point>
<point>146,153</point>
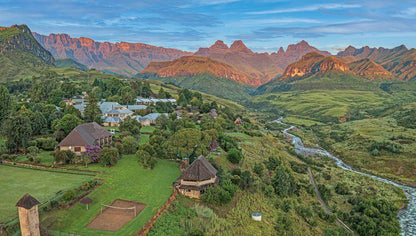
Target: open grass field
<point>15,182</point>
<point>355,149</point>
<point>317,106</point>
<point>128,181</point>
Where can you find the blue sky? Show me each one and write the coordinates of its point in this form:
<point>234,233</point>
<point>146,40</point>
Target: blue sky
<point>263,25</point>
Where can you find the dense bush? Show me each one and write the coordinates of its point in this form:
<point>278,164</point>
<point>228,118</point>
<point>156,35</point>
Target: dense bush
<point>47,144</point>
<point>109,156</point>
<point>129,145</point>
<point>146,159</point>
<point>284,182</point>
<point>64,156</point>
<point>371,216</point>
<point>216,195</point>
<point>234,155</point>
<point>130,125</point>
<point>342,188</point>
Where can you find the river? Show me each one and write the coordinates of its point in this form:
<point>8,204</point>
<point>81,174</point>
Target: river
<point>407,216</point>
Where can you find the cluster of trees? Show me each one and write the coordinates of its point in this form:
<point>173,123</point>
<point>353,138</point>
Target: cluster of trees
<point>370,216</point>
<point>120,91</point>
<point>107,156</point>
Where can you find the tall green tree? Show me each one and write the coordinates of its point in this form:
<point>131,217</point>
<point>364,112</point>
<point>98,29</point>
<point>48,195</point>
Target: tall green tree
<point>66,124</point>
<point>18,130</point>
<point>92,111</point>
<point>5,103</point>
<point>127,94</point>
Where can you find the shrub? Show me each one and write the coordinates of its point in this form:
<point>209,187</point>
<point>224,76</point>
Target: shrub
<point>216,195</point>
<point>129,145</point>
<point>47,144</point>
<point>234,156</point>
<point>109,156</point>
<point>145,159</point>
<point>69,196</point>
<point>64,156</point>
<point>342,188</point>
<point>258,169</point>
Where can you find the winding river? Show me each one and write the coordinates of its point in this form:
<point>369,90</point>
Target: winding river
<point>407,216</point>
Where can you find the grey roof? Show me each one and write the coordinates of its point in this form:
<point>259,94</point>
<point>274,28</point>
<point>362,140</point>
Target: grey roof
<point>79,106</point>
<point>108,106</point>
<point>172,100</point>
<point>119,111</point>
<point>112,119</point>
<point>154,116</point>
<point>136,107</point>
<point>85,134</point>
<point>27,201</point>
<point>199,170</point>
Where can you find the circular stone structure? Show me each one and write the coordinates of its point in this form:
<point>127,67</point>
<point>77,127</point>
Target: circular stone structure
<point>256,216</point>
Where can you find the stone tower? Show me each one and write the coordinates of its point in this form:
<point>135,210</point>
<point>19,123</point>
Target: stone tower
<point>28,215</point>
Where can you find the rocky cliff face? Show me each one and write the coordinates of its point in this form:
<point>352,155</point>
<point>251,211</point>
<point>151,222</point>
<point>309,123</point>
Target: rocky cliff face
<point>294,52</point>
<point>121,58</point>
<point>312,63</point>
<point>369,69</point>
<point>19,37</point>
<point>262,67</point>
<point>399,61</point>
<point>193,65</point>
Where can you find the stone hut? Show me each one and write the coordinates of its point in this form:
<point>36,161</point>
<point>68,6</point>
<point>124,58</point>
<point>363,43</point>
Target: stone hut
<point>198,176</point>
<point>28,215</point>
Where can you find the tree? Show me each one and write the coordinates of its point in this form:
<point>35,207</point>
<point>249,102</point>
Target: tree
<point>145,159</point>
<point>127,94</point>
<point>5,103</point>
<point>18,130</point>
<point>284,182</point>
<point>187,142</point>
<point>129,145</point>
<point>234,156</point>
<point>65,125</point>
<point>162,93</point>
<point>130,125</point>
<point>109,156</point>
<point>92,111</point>
<point>37,122</point>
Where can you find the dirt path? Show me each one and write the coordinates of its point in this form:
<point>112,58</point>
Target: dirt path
<point>318,195</point>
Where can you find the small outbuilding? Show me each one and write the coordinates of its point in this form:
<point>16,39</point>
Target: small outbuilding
<point>198,176</point>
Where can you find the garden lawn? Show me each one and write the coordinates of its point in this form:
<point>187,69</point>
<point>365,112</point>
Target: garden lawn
<point>147,129</point>
<point>16,182</point>
<point>128,181</point>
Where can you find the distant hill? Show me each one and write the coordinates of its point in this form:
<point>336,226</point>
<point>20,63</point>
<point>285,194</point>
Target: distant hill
<point>369,69</point>
<point>317,71</point>
<point>20,54</point>
<point>400,61</point>
<point>119,58</point>
<point>70,63</point>
<point>194,65</point>
<point>313,63</point>
<point>261,67</point>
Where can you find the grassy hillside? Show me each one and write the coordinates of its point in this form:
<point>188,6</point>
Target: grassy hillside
<point>69,63</point>
<point>210,84</point>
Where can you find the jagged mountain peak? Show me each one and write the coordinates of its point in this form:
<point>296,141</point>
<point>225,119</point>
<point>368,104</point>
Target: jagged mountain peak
<point>238,45</point>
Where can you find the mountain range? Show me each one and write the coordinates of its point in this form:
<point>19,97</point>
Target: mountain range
<point>235,62</point>
<point>119,58</point>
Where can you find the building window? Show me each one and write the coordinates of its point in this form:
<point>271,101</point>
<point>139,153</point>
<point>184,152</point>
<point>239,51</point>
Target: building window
<point>77,149</point>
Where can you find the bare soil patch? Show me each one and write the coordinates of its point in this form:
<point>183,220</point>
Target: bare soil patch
<point>113,218</point>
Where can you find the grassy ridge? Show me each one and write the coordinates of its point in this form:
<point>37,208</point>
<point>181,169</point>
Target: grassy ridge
<point>220,87</point>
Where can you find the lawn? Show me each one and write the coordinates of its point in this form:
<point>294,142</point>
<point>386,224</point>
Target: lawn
<point>147,129</point>
<point>127,180</point>
<point>15,182</point>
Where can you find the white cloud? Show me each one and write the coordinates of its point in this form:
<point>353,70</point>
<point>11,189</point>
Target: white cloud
<point>304,9</point>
